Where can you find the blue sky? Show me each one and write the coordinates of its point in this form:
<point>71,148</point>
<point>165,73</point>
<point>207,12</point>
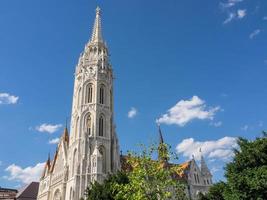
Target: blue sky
<point>204,60</point>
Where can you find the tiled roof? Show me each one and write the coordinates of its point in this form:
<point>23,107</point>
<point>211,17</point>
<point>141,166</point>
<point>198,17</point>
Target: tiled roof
<point>30,192</point>
<point>181,170</point>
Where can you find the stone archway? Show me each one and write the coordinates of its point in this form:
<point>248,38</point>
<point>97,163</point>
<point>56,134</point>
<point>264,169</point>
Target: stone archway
<point>57,195</point>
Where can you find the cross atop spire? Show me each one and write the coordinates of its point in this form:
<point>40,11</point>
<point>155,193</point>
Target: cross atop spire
<point>97,31</point>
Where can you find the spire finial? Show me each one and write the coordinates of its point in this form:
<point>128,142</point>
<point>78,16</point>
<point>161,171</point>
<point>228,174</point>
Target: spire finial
<point>97,32</point>
<point>98,10</point>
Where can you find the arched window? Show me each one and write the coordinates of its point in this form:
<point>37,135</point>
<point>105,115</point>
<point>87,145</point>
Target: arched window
<point>57,195</point>
<point>102,94</point>
<point>88,124</point>
<point>74,161</point>
<point>101,126</point>
<point>198,179</point>
<point>89,94</point>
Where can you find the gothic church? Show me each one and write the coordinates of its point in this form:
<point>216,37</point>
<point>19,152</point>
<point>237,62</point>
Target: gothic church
<point>91,151</point>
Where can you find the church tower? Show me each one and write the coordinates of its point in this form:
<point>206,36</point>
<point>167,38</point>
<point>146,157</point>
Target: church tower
<point>93,146</point>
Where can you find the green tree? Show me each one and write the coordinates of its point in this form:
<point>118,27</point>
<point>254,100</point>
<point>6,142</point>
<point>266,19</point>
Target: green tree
<point>150,179</point>
<point>215,192</point>
<point>247,174</point>
<point>106,190</point>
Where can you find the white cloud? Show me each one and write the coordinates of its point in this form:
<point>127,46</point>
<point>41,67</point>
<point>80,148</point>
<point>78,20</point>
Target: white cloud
<point>216,124</point>
<point>215,169</point>
<point>232,12</point>
<point>254,33</point>
<point>132,113</point>
<point>241,13</point>
<point>245,128</point>
<point>230,17</point>
<point>6,98</point>
<point>221,149</point>
<point>265,18</point>
<point>230,3</point>
<point>24,175</point>
<point>54,141</point>
<point>49,128</point>
<point>187,110</point>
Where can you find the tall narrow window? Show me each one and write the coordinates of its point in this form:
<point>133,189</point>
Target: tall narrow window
<point>89,94</point>
<point>102,94</point>
<point>89,124</point>
<point>101,126</point>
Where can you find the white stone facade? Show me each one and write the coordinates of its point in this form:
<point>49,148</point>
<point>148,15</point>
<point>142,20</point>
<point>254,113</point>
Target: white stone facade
<point>199,180</point>
<point>92,150</point>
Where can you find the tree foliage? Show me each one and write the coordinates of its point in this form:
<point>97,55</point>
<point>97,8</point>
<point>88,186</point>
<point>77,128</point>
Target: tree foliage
<point>150,179</point>
<point>215,192</point>
<point>106,190</point>
<point>246,175</point>
<point>147,179</point>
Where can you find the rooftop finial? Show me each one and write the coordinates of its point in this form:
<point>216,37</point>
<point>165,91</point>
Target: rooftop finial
<point>97,32</point>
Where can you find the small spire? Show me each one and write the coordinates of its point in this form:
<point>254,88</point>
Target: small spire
<point>66,134</point>
<point>203,166</point>
<point>48,160</point>
<point>161,141</point>
<point>97,31</point>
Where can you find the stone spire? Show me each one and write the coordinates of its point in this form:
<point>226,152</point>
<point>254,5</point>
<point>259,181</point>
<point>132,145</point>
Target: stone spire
<point>161,141</point>
<point>48,161</point>
<point>97,31</point>
<point>66,135</point>
<point>204,168</point>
